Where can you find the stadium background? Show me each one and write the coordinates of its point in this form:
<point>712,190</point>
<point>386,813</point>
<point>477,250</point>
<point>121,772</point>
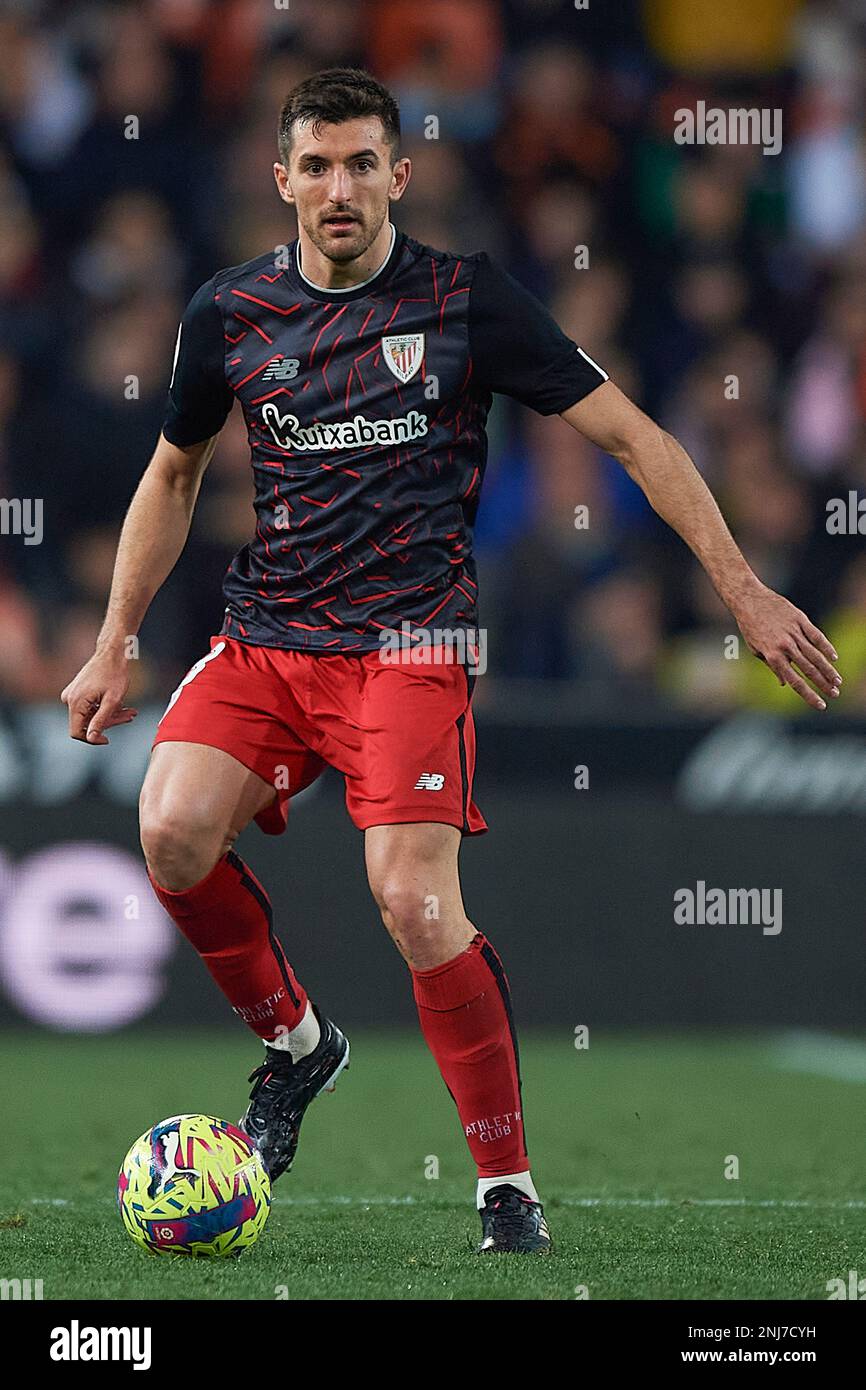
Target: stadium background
<point>606,647</point>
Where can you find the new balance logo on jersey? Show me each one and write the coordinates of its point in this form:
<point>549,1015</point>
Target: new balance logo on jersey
<point>359,433</point>
<point>281,369</point>
<point>430,782</point>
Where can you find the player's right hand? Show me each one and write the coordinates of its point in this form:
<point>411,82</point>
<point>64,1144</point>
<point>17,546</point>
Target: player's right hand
<point>95,697</point>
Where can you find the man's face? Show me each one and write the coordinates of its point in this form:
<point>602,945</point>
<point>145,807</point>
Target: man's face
<point>341,181</point>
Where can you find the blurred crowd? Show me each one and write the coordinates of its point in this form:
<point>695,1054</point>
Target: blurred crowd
<point>724,289</point>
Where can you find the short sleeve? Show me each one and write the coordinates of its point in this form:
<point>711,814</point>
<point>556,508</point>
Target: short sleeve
<point>519,349</point>
<point>199,397</point>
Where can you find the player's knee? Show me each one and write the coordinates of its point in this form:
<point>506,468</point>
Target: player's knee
<point>398,899</point>
<point>409,912</point>
<point>179,849</point>
<point>426,930</point>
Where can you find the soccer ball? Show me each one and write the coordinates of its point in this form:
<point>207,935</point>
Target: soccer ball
<point>194,1185</point>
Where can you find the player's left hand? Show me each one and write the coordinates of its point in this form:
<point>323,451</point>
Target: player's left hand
<point>792,646</point>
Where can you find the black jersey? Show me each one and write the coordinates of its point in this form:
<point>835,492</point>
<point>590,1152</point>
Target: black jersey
<point>365,410</point>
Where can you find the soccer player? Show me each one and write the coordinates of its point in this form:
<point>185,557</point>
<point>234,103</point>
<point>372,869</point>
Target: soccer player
<point>364,364</point>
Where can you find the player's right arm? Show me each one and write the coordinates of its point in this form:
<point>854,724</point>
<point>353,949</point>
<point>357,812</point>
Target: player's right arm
<point>154,534</point>
<point>157,523</point>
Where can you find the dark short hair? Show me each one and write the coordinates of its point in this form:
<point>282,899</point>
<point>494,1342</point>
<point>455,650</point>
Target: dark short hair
<point>336,95</point>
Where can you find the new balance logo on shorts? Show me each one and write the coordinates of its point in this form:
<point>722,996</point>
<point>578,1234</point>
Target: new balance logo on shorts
<point>430,782</point>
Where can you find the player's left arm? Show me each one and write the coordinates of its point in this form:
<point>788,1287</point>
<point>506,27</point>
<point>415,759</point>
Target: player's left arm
<point>774,630</point>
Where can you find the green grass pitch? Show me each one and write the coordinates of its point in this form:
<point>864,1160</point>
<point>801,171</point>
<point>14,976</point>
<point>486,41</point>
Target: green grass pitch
<point>628,1141</point>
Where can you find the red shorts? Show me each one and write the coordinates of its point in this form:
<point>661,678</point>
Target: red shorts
<point>402,734</point>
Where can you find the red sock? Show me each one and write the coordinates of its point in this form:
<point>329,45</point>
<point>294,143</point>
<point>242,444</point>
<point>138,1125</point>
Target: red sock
<point>465,1012</point>
<point>228,918</point>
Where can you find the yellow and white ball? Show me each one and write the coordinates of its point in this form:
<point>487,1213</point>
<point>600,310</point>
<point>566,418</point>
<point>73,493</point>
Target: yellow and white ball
<point>194,1185</point>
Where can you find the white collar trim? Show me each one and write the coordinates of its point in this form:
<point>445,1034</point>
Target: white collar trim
<point>326,289</point>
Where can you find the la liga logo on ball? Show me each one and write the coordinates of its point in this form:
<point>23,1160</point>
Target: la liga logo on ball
<point>194,1185</point>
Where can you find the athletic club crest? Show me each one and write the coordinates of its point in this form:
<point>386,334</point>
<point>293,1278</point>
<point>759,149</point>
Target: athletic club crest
<point>403,354</point>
